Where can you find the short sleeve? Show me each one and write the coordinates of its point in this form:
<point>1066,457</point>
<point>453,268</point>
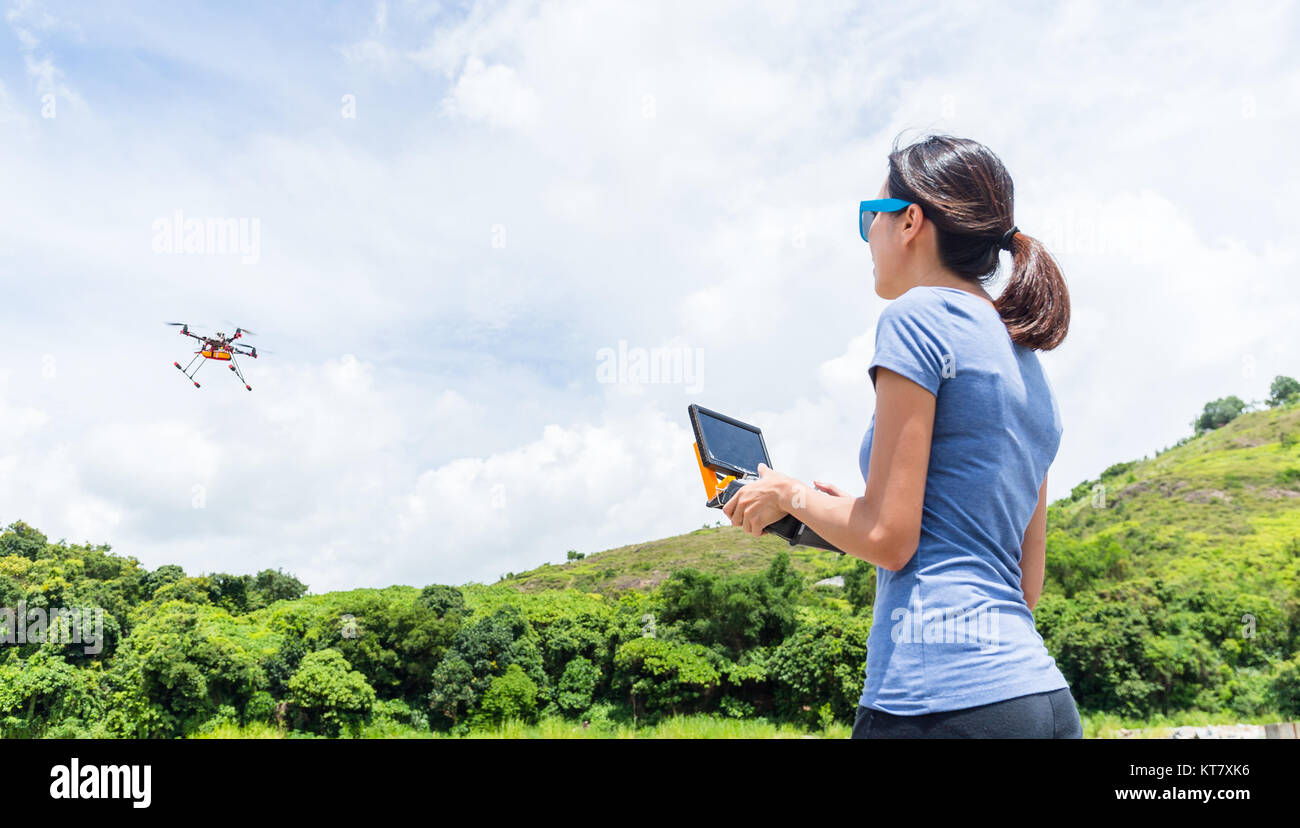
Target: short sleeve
<point>909,340</point>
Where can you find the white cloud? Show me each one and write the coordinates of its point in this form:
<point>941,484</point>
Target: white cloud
<point>526,184</point>
<point>493,94</point>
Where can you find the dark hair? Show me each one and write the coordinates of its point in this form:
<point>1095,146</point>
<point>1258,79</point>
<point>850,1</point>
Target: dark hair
<point>965,190</point>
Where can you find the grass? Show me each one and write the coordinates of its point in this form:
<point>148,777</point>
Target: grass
<point>676,727</point>
<point>722,550</point>
<point>1108,725</point>
<point>1095,726</point>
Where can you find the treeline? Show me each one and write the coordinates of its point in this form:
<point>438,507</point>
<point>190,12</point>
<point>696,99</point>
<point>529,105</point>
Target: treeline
<point>183,654</point>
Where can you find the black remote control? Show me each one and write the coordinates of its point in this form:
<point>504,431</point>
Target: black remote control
<point>790,528</point>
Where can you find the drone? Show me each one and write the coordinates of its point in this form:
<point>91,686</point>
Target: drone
<point>220,347</point>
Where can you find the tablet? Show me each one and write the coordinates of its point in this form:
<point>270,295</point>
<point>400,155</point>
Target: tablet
<point>728,444</point>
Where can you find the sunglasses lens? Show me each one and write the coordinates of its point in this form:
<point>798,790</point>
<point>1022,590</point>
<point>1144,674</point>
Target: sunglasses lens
<point>864,222</point>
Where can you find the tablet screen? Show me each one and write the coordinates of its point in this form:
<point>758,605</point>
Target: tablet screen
<point>735,445</point>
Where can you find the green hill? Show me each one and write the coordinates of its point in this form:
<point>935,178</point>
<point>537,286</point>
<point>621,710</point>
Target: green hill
<point>1228,500</point>
<point>724,550</point>
<point>1224,506</point>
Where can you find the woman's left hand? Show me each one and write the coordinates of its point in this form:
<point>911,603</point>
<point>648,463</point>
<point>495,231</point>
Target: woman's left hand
<point>758,504</point>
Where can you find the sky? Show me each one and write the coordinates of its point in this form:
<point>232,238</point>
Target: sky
<point>461,231</point>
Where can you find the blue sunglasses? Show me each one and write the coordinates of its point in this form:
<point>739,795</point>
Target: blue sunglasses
<point>867,211</point>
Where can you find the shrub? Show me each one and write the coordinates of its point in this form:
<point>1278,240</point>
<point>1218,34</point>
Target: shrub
<point>1219,413</point>
<point>666,676</point>
<point>512,695</point>
<point>1284,390</point>
<point>577,685</point>
<point>328,694</point>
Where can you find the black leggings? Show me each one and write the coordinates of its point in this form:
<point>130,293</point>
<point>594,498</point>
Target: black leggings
<point>1050,715</point>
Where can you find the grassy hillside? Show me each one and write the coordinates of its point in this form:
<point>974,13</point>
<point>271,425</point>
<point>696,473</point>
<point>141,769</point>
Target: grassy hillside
<point>723,550</point>
<point>1229,499</point>
<point>1224,505</point>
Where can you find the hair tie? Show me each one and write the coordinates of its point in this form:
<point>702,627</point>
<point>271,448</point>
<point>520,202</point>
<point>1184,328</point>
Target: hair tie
<point>1005,244</point>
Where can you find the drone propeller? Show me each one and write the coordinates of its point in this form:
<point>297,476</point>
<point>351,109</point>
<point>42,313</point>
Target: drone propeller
<point>238,329</point>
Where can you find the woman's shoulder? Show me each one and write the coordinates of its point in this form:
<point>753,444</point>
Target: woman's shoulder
<point>925,306</point>
<point>921,299</point>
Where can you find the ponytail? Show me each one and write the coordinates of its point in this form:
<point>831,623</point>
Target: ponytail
<point>1035,304</point>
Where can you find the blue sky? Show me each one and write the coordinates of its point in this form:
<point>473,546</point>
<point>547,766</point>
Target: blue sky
<point>461,206</point>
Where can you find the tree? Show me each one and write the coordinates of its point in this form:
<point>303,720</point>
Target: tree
<point>1282,391</point>
<point>1219,413</point>
<point>329,694</point>
<point>453,688</point>
<point>577,685</point>
<point>735,612</point>
<point>273,585</point>
<point>860,585</point>
<point>161,577</point>
<point>21,539</point>
<point>442,599</point>
<point>666,675</point>
<point>512,695</point>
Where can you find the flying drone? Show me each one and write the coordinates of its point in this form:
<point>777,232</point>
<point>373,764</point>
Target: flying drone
<point>219,347</point>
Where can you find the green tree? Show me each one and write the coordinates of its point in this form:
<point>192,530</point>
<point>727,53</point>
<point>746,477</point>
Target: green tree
<point>494,642</point>
<point>21,539</point>
<point>443,600</point>
<point>328,694</point>
<point>1283,390</point>
<point>666,676</point>
<point>160,577</point>
<point>577,686</point>
<point>822,662</point>
<point>735,612</point>
<point>1219,413</point>
<point>271,585</point>
<point>453,688</point>
<point>860,585</point>
<point>512,695</point>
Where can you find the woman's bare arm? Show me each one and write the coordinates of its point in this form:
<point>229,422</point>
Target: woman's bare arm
<point>1033,551</point>
<point>883,527</point>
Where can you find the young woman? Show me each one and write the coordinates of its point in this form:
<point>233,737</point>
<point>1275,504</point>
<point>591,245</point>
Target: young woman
<point>955,459</point>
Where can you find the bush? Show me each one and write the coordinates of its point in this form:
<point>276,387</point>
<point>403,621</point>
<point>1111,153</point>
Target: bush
<point>329,695</point>
<point>1118,469</point>
<point>823,662</point>
<point>1288,476</point>
<point>1219,413</point>
<point>512,695</point>
<point>1286,687</point>
<point>666,676</point>
<point>735,708</point>
<point>1284,390</point>
<point>577,685</point>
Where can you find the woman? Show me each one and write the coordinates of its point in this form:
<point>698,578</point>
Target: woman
<point>955,459</point>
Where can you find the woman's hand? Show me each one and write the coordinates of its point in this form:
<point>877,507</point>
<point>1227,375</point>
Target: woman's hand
<point>760,503</point>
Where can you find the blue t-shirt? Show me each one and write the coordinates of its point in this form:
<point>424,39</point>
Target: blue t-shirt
<point>951,629</point>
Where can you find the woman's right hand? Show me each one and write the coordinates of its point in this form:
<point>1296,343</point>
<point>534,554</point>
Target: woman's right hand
<point>829,489</point>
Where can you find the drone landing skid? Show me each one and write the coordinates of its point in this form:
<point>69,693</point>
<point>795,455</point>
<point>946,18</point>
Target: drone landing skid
<point>200,358</point>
